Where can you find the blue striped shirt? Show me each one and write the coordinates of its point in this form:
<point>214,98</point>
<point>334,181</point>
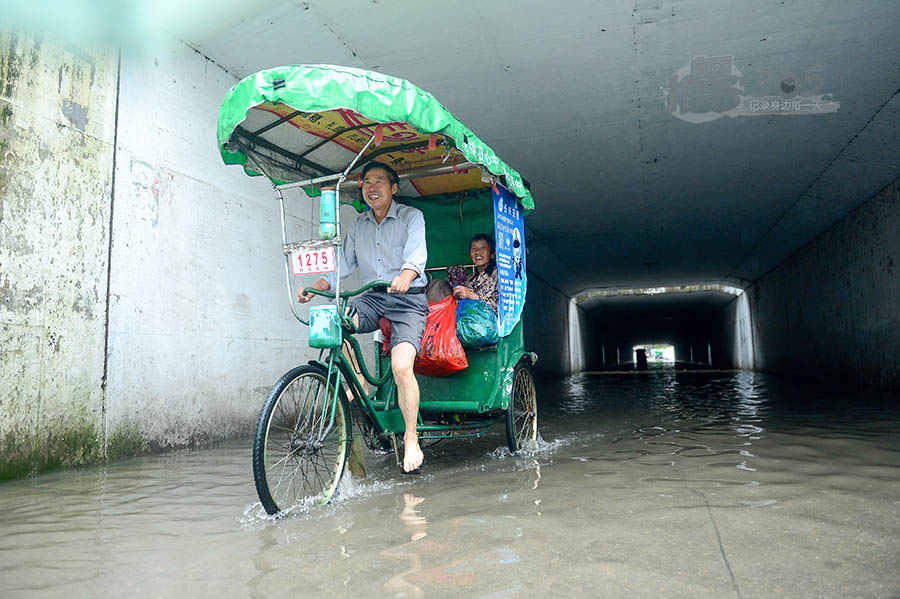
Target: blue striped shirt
<point>382,250</point>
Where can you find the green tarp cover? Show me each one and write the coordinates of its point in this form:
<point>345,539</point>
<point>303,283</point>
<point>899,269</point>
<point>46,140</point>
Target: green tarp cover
<point>297,122</point>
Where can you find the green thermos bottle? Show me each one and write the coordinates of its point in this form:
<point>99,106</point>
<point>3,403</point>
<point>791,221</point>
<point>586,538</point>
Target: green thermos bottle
<point>327,213</point>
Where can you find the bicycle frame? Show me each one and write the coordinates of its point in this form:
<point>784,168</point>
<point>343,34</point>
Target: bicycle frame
<point>382,414</point>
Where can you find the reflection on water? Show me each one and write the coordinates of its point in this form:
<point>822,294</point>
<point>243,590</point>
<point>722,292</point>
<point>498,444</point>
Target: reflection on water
<point>408,552</point>
<point>699,484</point>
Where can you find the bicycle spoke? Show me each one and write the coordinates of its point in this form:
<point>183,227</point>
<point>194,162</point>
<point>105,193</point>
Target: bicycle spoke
<point>522,415</point>
<point>282,478</point>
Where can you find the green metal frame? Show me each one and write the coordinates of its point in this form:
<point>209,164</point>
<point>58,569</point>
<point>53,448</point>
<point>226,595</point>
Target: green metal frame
<point>480,393</point>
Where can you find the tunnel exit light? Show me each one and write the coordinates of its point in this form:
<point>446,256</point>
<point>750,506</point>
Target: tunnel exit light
<point>654,353</point>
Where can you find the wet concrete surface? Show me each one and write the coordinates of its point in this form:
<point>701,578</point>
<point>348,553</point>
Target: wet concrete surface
<point>653,484</point>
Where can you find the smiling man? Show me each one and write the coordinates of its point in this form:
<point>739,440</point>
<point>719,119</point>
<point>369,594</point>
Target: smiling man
<point>388,243</point>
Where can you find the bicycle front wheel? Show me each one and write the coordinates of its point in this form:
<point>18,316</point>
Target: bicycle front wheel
<point>302,440</point>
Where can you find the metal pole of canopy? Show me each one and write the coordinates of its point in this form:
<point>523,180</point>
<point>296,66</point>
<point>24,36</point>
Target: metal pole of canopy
<point>287,259</point>
<point>313,181</point>
<point>435,169</point>
<point>337,219</point>
<point>415,173</point>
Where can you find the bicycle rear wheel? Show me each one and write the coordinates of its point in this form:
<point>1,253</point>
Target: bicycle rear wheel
<point>521,415</point>
<point>299,452</point>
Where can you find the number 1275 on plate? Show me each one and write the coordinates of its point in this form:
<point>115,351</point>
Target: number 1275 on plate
<point>314,261</point>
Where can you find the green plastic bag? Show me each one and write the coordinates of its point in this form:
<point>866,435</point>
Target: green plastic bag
<point>476,323</point>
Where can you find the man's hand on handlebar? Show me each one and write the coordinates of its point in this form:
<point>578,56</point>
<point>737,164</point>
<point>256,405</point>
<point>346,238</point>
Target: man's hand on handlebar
<point>321,285</point>
<point>400,283</point>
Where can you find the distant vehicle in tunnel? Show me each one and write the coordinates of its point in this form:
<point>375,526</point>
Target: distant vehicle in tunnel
<point>640,358</point>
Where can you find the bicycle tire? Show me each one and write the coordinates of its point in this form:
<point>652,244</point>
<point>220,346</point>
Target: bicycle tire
<point>292,459</point>
<point>521,414</point>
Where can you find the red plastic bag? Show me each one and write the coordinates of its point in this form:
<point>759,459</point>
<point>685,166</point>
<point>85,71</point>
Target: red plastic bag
<point>442,354</point>
<point>385,325</point>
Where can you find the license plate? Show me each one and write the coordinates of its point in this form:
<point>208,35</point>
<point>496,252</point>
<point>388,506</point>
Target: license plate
<point>311,262</point>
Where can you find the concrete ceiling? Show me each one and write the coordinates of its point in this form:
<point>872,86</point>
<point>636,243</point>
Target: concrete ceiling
<point>644,172</point>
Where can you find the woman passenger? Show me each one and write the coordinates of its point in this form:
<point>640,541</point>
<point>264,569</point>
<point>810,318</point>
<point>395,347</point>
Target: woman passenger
<point>482,284</point>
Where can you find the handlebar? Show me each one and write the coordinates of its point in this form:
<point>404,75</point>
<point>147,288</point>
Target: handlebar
<point>346,294</point>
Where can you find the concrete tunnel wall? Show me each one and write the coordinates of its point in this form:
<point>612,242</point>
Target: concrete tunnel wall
<point>199,326</point>
<point>56,134</point>
<point>549,326</point>
<point>832,310</point>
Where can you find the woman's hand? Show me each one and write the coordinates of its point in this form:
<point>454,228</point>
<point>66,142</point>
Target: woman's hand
<point>463,292</point>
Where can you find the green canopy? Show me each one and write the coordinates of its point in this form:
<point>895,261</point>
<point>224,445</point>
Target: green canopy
<point>299,122</point>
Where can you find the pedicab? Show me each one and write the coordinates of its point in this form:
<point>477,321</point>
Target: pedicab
<point>315,127</point>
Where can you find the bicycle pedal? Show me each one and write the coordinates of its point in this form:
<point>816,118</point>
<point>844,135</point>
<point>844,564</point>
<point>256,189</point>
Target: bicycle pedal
<point>347,320</point>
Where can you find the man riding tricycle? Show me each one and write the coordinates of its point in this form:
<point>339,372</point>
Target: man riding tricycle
<point>428,186</point>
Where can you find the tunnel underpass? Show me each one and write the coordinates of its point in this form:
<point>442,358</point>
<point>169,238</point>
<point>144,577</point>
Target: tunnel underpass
<point>665,145</point>
<point>827,312</point>
<point>717,176</point>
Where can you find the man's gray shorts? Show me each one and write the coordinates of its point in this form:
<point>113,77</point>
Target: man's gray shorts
<point>407,313</point>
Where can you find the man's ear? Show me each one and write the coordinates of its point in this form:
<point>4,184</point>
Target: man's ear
<point>394,188</point>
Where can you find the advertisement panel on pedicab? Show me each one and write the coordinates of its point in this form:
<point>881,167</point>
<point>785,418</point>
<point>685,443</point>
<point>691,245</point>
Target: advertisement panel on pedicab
<point>509,233</point>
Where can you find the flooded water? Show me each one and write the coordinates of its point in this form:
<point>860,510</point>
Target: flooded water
<point>659,484</point>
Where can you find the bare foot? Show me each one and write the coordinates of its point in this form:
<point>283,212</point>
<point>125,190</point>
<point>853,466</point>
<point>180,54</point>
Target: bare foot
<point>412,453</point>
